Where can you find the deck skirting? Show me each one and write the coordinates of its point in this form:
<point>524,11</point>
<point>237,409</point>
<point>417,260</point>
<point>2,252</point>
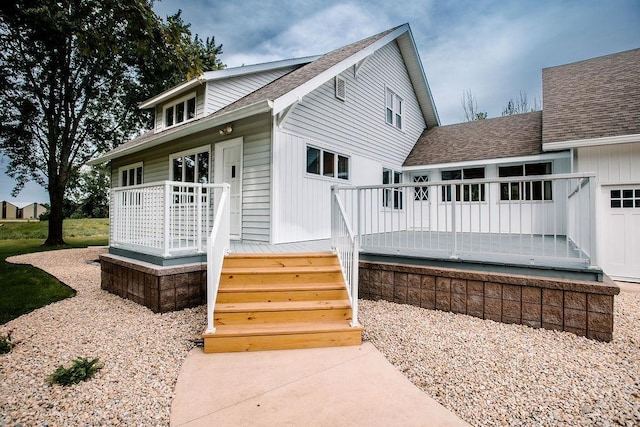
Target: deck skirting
<point>581,307</point>
<point>161,289</point>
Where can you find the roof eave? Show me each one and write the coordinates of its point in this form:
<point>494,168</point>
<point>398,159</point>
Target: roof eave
<point>207,123</point>
<point>590,142</point>
<point>176,90</point>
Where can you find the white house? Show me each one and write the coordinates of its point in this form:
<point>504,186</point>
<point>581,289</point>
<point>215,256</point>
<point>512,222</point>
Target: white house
<point>347,146</point>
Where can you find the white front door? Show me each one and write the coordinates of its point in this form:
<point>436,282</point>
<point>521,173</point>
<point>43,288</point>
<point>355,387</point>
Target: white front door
<point>621,232</point>
<point>229,169</point>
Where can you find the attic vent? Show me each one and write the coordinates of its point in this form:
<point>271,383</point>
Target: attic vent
<point>341,88</point>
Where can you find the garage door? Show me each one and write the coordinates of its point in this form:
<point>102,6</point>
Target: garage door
<point>621,232</point>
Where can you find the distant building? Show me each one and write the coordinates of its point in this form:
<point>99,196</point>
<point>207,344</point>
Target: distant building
<point>22,210</point>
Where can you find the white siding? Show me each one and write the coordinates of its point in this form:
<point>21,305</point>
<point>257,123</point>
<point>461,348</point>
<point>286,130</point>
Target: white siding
<point>358,124</point>
<point>302,201</point>
<point>611,163</point>
<point>221,93</point>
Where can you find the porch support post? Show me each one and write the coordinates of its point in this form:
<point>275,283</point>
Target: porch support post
<point>454,247</point>
<point>593,239</point>
<point>333,218</point>
<point>167,219</point>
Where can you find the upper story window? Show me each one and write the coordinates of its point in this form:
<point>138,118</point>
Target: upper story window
<point>130,174</point>
<point>394,108</point>
<point>467,192</point>
<point>180,111</point>
<point>326,163</point>
<point>530,190</point>
<point>391,197</point>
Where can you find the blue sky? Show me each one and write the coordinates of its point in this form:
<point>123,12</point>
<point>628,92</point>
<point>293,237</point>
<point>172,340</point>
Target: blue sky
<point>493,48</point>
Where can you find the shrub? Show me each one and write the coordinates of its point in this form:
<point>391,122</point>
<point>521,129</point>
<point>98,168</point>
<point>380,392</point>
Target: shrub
<point>81,370</point>
<point>6,344</point>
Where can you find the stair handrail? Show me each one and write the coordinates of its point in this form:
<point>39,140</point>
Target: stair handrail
<point>217,247</point>
<point>345,245</point>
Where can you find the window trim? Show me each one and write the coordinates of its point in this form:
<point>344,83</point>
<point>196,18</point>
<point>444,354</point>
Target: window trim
<point>336,164</point>
<point>127,168</point>
<point>395,194</point>
<point>460,188</point>
<point>176,102</point>
<point>196,151</point>
<point>525,188</point>
<point>398,103</point>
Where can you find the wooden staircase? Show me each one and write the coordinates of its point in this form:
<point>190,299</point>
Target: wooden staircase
<point>281,301</point>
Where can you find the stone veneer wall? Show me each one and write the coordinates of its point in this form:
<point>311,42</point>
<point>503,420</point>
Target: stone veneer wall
<point>161,289</point>
<point>584,308</point>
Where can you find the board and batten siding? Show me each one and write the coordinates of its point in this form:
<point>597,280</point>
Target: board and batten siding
<point>301,201</point>
<point>256,178</point>
<point>359,122</point>
<point>159,126</point>
<point>616,163</point>
<point>223,92</point>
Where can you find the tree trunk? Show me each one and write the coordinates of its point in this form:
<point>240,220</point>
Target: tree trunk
<point>56,215</point>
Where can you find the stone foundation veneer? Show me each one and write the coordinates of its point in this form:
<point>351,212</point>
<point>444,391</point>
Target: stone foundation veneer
<point>161,289</point>
<point>583,308</point>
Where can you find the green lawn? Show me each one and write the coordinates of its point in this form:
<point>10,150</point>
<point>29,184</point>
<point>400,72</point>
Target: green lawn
<point>24,288</point>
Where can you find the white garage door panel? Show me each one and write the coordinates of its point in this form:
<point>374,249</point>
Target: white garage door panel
<point>621,232</point>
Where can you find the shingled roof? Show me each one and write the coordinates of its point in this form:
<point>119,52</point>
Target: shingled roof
<point>517,135</point>
<point>595,98</point>
<point>262,96</point>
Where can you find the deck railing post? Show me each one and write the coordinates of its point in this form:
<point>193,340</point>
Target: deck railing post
<point>454,234</point>
<point>354,282</point>
<point>592,223</point>
<point>167,218</point>
<point>333,214</point>
<point>198,235</point>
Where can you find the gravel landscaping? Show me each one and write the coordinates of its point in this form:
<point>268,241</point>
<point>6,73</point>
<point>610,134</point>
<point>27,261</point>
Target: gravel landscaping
<point>487,373</point>
<point>493,374</point>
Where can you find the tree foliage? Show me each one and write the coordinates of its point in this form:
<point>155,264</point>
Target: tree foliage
<point>470,107</point>
<point>71,75</point>
<point>520,105</point>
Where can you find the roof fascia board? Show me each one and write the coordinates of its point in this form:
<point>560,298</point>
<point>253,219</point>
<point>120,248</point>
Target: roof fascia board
<point>152,102</point>
<point>296,94</point>
<point>207,123</point>
<point>494,161</point>
<point>421,79</point>
<point>592,142</point>
<point>257,68</point>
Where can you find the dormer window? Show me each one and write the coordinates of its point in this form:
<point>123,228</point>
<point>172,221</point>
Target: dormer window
<point>180,111</point>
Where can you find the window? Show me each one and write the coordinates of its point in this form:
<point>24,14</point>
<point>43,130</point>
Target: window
<point>421,194</point>
<point>130,175</point>
<point>531,190</point>
<point>180,111</point>
<point>394,108</point>
<point>326,163</point>
<point>341,88</point>
<point>391,195</point>
<point>626,198</point>
<point>191,166</point>
<point>470,192</point>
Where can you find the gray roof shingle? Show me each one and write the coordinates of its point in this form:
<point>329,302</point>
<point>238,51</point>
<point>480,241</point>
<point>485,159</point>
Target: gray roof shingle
<point>517,135</point>
<point>595,98</point>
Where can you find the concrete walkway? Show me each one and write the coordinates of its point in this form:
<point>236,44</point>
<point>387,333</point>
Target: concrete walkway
<point>340,386</point>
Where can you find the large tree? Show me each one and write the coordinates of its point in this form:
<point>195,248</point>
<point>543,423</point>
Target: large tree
<point>71,73</point>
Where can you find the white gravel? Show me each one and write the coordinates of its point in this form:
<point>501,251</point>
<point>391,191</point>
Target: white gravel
<point>487,373</point>
<point>493,374</point>
<point>142,353</point>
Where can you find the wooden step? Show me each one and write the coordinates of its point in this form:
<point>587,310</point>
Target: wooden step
<point>278,312</point>
<point>280,260</point>
<point>276,336</point>
<point>266,275</point>
<point>228,295</point>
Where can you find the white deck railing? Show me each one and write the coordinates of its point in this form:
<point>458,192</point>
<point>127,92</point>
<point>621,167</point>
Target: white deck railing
<point>345,244</point>
<point>165,218</point>
<point>542,220</point>
<point>217,248</point>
